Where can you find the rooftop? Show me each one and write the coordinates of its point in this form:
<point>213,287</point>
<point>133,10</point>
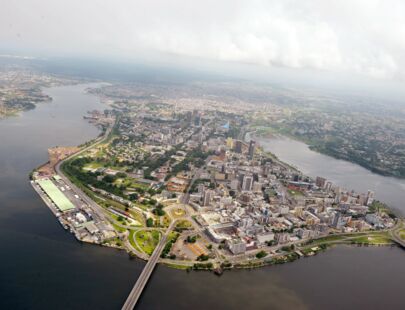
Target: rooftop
<point>58,198</point>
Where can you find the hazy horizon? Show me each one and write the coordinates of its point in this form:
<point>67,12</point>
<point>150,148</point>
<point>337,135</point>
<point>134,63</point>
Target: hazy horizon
<point>356,46</point>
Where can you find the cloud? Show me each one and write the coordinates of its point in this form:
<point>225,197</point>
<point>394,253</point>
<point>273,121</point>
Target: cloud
<point>359,36</point>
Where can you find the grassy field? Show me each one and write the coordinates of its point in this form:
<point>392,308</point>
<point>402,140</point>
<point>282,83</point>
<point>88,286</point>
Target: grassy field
<point>373,239</point>
<point>329,239</point>
<point>172,235</point>
<point>402,233</point>
<point>118,228</point>
<point>147,240</point>
<point>166,220</point>
<point>295,193</point>
<point>93,165</point>
<point>132,241</point>
<point>177,266</point>
<point>184,224</point>
<point>137,185</point>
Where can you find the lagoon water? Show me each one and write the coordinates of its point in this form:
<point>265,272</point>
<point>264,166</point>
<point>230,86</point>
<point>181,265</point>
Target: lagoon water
<point>43,267</point>
<point>345,174</point>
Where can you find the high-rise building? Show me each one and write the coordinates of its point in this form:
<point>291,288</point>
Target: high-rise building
<point>234,184</point>
<point>267,169</point>
<point>257,186</point>
<point>207,197</point>
<point>201,189</point>
<point>196,118</point>
<point>247,183</point>
<point>338,221</point>
<point>252,147</point>
<point>362,200</point>
<point>189,116</point>
<point>282,238</point>
<point>238,146</point>
<point>236,246</point>
<point>320,182</point>
<point>370,197</point>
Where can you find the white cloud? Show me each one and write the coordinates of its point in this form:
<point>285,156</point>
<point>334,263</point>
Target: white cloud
<point>357,36</point>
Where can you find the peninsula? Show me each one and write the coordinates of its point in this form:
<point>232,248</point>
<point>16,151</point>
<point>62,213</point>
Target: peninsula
<point>183,180</point>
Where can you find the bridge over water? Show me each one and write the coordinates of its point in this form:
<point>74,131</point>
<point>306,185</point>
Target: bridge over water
<point>146,272</point>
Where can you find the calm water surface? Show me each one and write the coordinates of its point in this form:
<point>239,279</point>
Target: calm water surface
<point>343,173</point>
<point>44,267</point>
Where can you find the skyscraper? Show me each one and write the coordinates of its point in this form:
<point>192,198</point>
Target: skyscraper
<point>207,197</point>
<point>252,147</point>
<point>238,146</point>
<point>370,197</point>
<point>247,183</point>
<point>320,182</point>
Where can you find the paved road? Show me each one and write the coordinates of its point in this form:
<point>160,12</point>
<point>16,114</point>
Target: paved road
<point>83,196</point>
<point>185,198</point>
<point>146,272</point>
<point>394,231</point>
<point>396,236</point>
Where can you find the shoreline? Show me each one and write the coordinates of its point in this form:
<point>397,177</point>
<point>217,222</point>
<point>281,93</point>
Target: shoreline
<point>248,260</point>
<point>340,171</point>
<point>312,147</point>
<point>219,267</point>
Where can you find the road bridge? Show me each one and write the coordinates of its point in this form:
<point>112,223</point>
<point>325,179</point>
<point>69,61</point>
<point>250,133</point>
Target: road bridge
<point>146,272</point>
<point>153,260</point>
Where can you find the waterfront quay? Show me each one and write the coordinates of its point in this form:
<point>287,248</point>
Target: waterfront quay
<point>74,209</point>
<point>73,213</point>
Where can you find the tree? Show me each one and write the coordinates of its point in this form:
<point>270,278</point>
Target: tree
<point>159,210</point>
<point>109,178</point>
<point>133,196</point>
<point>121,175</point>
<point>261,254</point>
<point>203,257</point>
<point>149,222</point>
<point>192,239</point>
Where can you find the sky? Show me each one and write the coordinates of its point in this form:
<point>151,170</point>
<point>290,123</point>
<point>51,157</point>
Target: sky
<point>353,37</point>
